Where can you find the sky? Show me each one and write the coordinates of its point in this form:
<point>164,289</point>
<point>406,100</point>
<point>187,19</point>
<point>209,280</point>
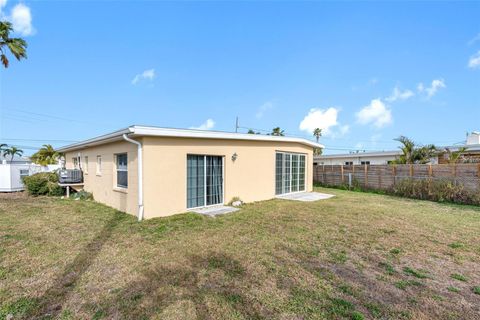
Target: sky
<point>364,72</point>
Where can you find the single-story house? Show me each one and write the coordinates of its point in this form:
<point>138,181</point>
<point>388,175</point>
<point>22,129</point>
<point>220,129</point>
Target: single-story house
<point>153,172</point>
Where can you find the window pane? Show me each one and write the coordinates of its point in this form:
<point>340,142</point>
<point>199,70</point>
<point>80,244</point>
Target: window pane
<point>295,173</point>
<point>122,179</point>
<point>278,173</point>
<point>122,173</point>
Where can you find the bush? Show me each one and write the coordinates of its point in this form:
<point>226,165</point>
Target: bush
<point>434,190</point>
<point>45,183</point>
<point>81,195</point>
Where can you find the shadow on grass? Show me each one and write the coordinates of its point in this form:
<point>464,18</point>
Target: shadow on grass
<point>49,305</point>
<point>213,277</point>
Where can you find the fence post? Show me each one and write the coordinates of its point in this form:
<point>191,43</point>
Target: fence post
<point>478,176</point>
<point>394,173</point>
<point>349,181</point>
<point>411,170</point>
<point>380,178</point>
<point>323,174</point>
<point>366,176</point>
<point>341,172</point>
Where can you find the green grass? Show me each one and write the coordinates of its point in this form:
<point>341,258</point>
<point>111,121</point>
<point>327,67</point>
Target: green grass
<point>355,256</point>
<point>453,289</point>
<point>416,273</point>
<point>456,245</point>
<point>459,277</point>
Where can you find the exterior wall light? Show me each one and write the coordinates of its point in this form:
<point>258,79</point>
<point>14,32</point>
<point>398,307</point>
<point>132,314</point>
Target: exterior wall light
<point>234,156</point>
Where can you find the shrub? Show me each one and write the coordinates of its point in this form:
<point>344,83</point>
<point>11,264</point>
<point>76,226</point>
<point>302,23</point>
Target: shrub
<point>441,191</point>
<point>45,183</point>
<point>81,195</point>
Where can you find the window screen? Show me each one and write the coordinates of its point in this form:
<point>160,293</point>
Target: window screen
<point>122,170</point>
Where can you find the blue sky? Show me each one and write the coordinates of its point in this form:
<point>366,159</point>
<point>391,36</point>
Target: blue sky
<point>364,72</point>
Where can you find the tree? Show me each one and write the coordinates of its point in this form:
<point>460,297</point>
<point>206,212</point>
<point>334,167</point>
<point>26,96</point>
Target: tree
<point>12,152</point>
<point>413,153</point>
<point>46,155</point>
<point>455,156</point>
<point>278,132</point>
<point>16,46</point>
<point>317,133</point>
<point>250,131</point>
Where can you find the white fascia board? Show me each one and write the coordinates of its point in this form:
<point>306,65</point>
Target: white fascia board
<point>109,137</point>
<point>182,133</point>
<point>207,134</point>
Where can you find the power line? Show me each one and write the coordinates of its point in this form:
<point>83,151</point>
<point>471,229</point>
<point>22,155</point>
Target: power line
<point>40,140</point>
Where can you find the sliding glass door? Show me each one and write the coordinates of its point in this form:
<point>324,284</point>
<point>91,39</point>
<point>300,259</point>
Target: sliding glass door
<point>289,172</point>
<point>204,180</point>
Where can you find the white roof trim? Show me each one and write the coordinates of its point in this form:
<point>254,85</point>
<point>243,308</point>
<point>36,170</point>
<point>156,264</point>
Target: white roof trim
<point>182,133</point>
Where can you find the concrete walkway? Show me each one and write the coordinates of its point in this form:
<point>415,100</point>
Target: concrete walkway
<point>305,196</point>
<point>215,210</point>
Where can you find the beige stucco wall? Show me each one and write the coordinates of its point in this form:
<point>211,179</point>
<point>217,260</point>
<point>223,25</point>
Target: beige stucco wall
<point>251,177</point>
<point>103,186</point>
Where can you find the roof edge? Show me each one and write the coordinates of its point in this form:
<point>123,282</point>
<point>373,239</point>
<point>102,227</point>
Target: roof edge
<point>137,130</point>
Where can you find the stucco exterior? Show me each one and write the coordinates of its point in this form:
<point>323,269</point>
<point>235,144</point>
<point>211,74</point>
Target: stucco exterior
<point>251,177</point>
<point>103,185</point>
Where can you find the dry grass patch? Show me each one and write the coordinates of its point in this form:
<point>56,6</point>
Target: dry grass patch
<point>355,256</point>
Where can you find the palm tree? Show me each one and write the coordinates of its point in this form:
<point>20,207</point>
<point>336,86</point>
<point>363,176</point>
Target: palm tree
<point>46,155</point>
<point>317,133</point>
<point>278,132</point>
<point>16,46</point>
<point>414,154</point>
<point>408,147</point>
<point>12,152</point>
<point>455,156</point>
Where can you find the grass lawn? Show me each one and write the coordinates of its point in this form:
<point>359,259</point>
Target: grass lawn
<point>355,256</point>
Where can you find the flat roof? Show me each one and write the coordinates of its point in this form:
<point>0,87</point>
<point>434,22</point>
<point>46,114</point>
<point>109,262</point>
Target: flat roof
<point>470,148</point>
<point>139,131</point>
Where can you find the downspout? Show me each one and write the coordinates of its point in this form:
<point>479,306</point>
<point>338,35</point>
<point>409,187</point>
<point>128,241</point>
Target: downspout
<point>140,175</point>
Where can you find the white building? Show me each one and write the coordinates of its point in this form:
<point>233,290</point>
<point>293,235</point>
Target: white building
<point>378,157</point>
<point>472,144</point>
<point>12,172</point>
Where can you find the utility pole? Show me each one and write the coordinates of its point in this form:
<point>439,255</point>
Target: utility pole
<point>236,124</point>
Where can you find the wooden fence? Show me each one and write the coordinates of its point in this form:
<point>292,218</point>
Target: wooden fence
<point>383,177</point>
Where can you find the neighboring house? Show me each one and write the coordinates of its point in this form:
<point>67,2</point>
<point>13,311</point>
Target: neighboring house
<point>380,157</point>
<point>152,172</point>
<point>472,154</point>
<point>12,172</point>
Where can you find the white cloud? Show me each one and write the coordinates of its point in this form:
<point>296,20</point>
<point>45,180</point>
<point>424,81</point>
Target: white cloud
<point>375,113</point>
<point>474,61</point>
<point>263,108</point>
<point>207,125</point>
<point>145,75</point>
<point>397,94</point>
<point>436,85</point>
<point>3,3</point>
<point>474,39</point>
<point>319,118</point>
<point>21,18</point>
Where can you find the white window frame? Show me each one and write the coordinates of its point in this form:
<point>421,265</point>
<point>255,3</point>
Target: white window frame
<point>99,165</point>
<point>85,161</point>
<point>291,174</point>
<point>117,186</point>
<point>205,179</point>
<point>23,175</point>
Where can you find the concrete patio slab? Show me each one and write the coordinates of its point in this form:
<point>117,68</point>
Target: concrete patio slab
<point>215,211</point>
<point>305,196</point>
